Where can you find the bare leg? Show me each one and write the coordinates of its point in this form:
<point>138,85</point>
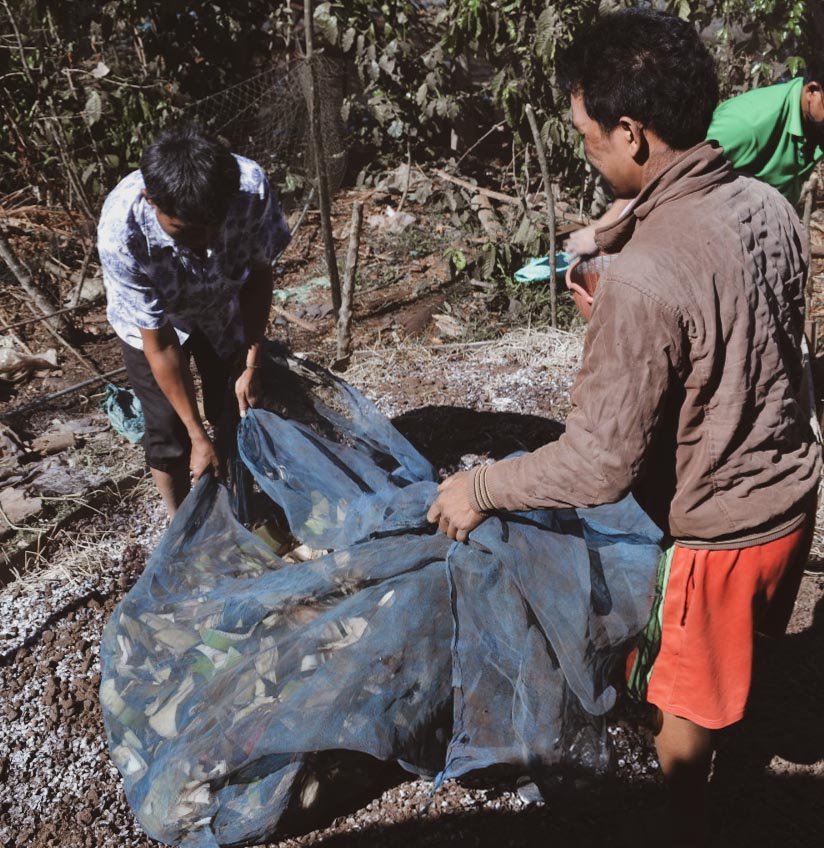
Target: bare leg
<point>173,487</point>
<point>685,754</point>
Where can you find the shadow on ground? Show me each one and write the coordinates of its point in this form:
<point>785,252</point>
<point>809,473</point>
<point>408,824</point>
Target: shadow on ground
<point>779,812</point>
<point>443,434</point>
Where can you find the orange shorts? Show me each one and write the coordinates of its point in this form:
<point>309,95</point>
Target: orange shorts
<point>714,602</point>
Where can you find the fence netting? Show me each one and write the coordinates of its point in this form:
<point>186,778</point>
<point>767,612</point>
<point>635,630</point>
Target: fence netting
<point>267,119</point>
<point>240,692</point>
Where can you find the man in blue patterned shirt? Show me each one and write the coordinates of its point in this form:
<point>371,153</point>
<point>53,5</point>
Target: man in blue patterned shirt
<point>187,245</point>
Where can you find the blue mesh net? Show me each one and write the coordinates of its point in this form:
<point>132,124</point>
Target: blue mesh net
<point>240,692</point>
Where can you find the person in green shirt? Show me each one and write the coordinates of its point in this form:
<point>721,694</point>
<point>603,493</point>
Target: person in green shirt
<point>774,133</point>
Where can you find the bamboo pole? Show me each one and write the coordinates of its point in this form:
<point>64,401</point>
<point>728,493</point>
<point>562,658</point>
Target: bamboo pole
<point>550,206</point>
<point>345,313</point>
<point>320,160</point>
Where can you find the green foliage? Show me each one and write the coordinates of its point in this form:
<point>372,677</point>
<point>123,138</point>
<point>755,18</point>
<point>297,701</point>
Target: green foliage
<point>520,39</point>
<point>755,42</point>
<point>411,90</point>
<point>85,85</point>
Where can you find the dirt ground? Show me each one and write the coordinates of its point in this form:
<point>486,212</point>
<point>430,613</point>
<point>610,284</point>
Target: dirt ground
<point>462,378</point>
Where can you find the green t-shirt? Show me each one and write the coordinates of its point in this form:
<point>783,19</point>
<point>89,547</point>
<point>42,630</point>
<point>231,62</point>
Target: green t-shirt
<point>762,134</point>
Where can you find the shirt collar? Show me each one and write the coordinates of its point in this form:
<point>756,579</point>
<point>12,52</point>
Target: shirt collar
<point>156,236</point>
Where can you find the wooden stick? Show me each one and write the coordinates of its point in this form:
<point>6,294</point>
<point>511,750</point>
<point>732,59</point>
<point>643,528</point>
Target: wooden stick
<point>24,65</point>
<point>345,313</point>
<point>495,128</point>
<point>293,319</point>
<point>320,160</point>
<point>68,346</point>
<point>87,258</point>
<point>809,194</point>
<point>550,204</point>
<point>495,195</point>
<point>87,305</point>
<point>58,137</point>
<point>408,176</point>
<point>31,226</point>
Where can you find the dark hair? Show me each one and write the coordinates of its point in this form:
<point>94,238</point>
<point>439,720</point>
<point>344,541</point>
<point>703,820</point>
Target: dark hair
<point>647,65</point>
<point>814,71</point>
<point>190,175</point>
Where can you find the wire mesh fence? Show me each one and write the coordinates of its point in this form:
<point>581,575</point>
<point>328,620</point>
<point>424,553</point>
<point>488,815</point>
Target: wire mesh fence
<point>267,119</point>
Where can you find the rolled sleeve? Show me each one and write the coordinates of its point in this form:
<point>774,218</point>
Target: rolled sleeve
<point>631,356</point>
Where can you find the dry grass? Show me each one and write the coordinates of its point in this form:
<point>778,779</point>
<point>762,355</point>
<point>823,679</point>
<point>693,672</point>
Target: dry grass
<point>405,374</point>
<point>542,349</point>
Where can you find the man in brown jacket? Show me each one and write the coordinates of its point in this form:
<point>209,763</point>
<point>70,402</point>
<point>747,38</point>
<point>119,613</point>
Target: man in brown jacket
<point>690,394</point>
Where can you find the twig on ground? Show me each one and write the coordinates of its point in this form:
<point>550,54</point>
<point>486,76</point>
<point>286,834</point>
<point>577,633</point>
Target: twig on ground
<point>495,128</point>
<point>36,320</point>
<point>9,413</point>
<point>293,319</point>
<point>482,207</point>
<point>68,346</point>
<point>495,195</point>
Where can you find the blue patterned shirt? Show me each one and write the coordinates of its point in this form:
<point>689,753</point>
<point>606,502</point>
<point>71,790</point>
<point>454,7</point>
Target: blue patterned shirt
<point>150,279</point>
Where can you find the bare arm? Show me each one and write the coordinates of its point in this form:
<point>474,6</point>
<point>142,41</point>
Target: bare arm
<point>171,371</point>
<point>255,305</point>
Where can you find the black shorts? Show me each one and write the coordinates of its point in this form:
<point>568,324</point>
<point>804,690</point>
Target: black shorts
<point>166,441</point>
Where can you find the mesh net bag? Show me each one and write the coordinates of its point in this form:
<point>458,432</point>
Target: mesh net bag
<point>241,693</point>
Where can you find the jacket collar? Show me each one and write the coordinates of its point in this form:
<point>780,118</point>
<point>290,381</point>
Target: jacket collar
<point>695,171</point>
